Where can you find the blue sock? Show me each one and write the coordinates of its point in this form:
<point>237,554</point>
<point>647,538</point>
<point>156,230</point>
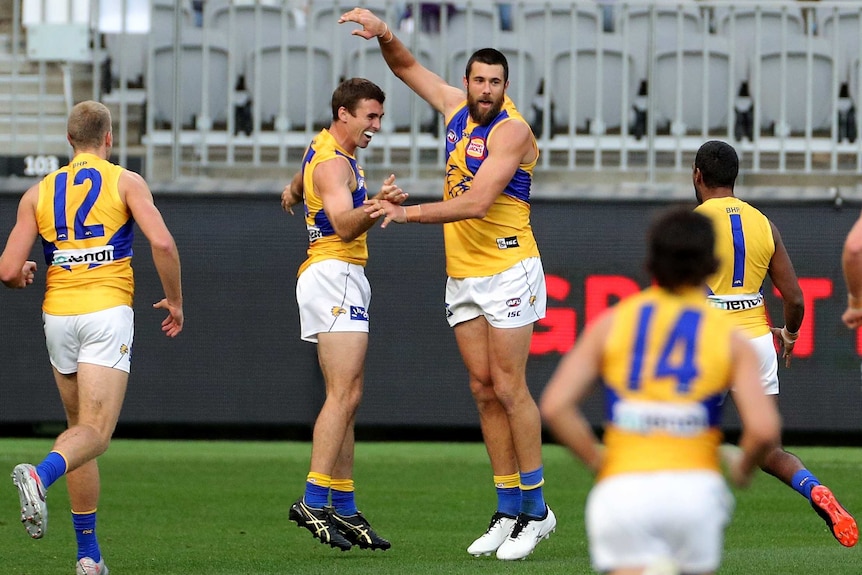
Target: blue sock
<point>316,496</point>
<point>532,498</point>
<point>508,494</point>
<point>52,468</point>
<point>85,533</point>
<point>344,502</point>
<point>804,481</point>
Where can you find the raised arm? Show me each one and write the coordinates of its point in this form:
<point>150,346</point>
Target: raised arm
<point>166,258</point>
<point>427,85</point>
<point>15,270</point>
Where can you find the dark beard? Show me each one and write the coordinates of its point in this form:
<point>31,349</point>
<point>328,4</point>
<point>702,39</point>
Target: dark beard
<point>483,119</point>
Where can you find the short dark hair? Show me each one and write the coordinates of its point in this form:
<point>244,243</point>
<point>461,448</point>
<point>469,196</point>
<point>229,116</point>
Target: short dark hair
<point>491,57</point>
<point>681,248</point>
<point>350,92</point>
<point>718,163</point>
<point>87,125</point>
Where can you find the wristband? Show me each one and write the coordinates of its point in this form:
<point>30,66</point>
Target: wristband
<point>418,217</point>
<point>787,336</point>
<point>391,35</point>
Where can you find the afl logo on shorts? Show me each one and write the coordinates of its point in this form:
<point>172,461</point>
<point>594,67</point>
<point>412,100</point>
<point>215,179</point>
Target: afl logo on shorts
<point>476,148</point>
<point>514,302</point>
<point>451,136</point>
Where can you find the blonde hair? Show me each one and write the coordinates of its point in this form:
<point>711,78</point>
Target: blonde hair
<point>88,124</point>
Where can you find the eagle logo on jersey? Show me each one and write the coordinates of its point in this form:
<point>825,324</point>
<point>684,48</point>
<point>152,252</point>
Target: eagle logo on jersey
<point>456,182</point>
<point>124,349</point>
<point>337,311</point>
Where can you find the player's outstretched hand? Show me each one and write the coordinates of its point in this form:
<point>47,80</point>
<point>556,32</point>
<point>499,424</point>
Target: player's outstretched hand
<point>173,324</point>
<point>372,26</point>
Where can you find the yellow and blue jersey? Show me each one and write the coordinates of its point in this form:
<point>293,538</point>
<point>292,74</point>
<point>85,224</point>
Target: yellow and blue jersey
<point>744,247</point>
<point>665,370</point>
<point>484,247</point>
<point>323,242</point>
<point>87,233</point>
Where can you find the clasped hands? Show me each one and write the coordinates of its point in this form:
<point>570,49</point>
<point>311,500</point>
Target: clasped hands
<point>387,203</point>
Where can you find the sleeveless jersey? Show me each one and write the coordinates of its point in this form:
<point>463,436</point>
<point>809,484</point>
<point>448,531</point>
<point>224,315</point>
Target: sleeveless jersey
<point>87,233</point>
<point>744,247</point>
<point>323,242</point>
<point>665,370</point>
<point>484,247</point>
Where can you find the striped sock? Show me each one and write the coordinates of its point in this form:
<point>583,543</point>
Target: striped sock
<point>508,494</point>
<point>317,490</point>
<point>532,498</point>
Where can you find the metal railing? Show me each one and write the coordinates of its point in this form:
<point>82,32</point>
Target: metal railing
<point>629,86</point>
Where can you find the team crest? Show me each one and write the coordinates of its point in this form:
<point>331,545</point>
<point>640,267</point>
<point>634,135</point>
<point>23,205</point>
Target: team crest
<point>337,311</point>
<point>532,300</point>
<point>124,349</point>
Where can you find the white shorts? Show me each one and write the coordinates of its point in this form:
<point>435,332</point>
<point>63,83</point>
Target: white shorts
<point>332,296</point>
<point>638,519</point>
<point>101,338</point>
<point>512,298</point>
<point>768,361</point>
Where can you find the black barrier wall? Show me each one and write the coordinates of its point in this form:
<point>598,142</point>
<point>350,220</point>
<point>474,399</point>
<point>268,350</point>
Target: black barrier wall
<point>240,361</point>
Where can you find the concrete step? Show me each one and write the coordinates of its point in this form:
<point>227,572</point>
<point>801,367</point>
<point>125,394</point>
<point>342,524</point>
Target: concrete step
<point>25,105</point>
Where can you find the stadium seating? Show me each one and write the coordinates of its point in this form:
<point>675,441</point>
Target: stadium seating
<point>693,85</point>
<point>204,82</point>
<point>291,83</point>
<point>366,61</point>
<point>602,103</point>
<point>249,25</point>
<point>796,88</point>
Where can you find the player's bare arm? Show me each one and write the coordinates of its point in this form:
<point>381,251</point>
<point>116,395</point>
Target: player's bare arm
<point>166,259</point>
<point>510,145</point>
<point>334,183</point>
<point>758,413</point>
<point>785,281</point>
<point>851,264</point>
<point>574,378</point>
<point>16,271</point>
<point>427,85</point>
<point>292,193</point>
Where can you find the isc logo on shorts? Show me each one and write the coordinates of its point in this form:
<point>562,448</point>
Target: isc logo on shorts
<point>358,313</point>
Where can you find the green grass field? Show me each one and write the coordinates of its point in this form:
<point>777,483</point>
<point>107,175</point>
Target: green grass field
<point>208,508</point>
